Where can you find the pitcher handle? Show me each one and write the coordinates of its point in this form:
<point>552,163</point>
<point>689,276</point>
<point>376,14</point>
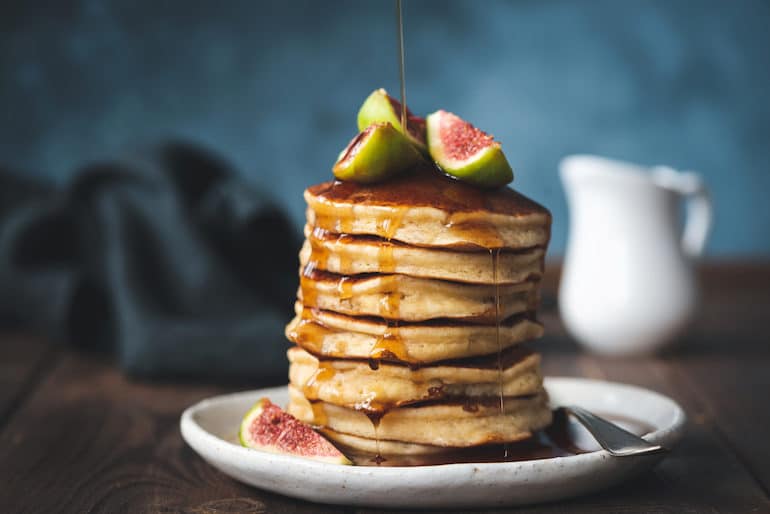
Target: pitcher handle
<point>699,209</point>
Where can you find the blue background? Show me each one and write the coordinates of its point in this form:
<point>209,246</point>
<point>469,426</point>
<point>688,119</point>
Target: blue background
<point>275,86</point>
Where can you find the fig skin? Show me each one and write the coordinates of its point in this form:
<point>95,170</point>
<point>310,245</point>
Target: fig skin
<point>377,153</point>
<point>288,435</point>
<point>381,107</point>
<point>486,167</point>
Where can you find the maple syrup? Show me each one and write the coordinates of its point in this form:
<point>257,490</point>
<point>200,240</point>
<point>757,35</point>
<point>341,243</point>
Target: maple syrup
<point>323,374</point>
<point>345,288</point>
<point>495,254</point>
<point>375,416</point>
<point>465,205</point>
<point>388,347</point>
<point>388,225</point>
<point>386,262</point>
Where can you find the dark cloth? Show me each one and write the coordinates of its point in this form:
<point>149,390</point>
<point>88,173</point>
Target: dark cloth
<point>166,258</point>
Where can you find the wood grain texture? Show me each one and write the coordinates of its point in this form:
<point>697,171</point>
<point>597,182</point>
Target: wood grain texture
<point>725,362</point>
<point>86,439</point>
<point>23,361</point>
<point>89,440</point>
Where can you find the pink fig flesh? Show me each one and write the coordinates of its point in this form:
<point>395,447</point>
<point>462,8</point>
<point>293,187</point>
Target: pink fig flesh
<point>465,152</point>
<point>269,428</point>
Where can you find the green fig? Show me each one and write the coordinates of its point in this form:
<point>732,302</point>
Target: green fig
<point>465,152</point>
<point>381,107</point>
<point>378,152</point>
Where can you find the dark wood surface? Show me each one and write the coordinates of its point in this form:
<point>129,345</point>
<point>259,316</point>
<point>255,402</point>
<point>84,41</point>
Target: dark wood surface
<point>78,436</point>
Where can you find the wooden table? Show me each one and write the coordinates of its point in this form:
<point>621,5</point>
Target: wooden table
<point>78,436</point>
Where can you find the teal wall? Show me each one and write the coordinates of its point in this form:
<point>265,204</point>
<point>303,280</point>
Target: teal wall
<point>275,86</point>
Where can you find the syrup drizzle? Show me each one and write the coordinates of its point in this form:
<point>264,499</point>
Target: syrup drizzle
<point>401,67</point>
<point>375,416</point>
<point>495,254</point>
<point>388,224</point>
<point>312,335</point>
<point>387,263</point>
<point>324,373</point>
<point>345,223</point>
<point>345,287</point>
<point>318,259</point>
<point>389,345</point>
<point>309,294</point>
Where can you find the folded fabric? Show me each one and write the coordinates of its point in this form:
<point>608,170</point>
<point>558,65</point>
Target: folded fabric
<point>166,257</point>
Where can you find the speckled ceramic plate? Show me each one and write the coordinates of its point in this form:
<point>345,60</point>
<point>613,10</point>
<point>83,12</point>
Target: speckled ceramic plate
<point>210,428</point>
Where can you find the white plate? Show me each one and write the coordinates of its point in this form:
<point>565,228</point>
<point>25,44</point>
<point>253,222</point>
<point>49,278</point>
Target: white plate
<point>210,428</point>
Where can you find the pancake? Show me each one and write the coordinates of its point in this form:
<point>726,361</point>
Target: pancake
<point>353,383</point>
<point>345,442</point>
<point>334,335</point>
<point>448,424</point>
<point>395,453</point>
<point>413,299</point>
<point>351,255</point>
<point>426,208</point>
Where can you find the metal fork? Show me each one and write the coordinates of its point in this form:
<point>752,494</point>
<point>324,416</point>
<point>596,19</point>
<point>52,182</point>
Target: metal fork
<point>616,440</point>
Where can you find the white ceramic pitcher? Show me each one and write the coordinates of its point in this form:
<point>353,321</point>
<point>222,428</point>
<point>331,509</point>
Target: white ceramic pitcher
<point>628,285</point>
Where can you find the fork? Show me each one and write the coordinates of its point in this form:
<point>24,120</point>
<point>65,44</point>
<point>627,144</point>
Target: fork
<point>616,440</point>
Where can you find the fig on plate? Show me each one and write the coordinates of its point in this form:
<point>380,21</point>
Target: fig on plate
<point>269,428</point>
<point>465,152</point>
<point>378,152</point>
<point>380,107</point>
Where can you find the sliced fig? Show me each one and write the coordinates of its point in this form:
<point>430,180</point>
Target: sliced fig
<point>269,428</point>
<point>381,107</point>
<point>465,152</point>
<point>378,152</point>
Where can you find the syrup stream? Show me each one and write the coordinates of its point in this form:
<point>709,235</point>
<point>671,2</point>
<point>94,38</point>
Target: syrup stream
<point>495,254</point>
<point>402,73</point>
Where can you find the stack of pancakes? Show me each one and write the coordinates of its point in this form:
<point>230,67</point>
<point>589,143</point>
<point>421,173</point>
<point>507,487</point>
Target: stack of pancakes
<point>415,296</point>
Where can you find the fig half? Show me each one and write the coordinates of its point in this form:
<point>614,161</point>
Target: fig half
<point>381,107</point>
<point>378,152</point>
<point>465,152</point>
<point>269,428</point>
